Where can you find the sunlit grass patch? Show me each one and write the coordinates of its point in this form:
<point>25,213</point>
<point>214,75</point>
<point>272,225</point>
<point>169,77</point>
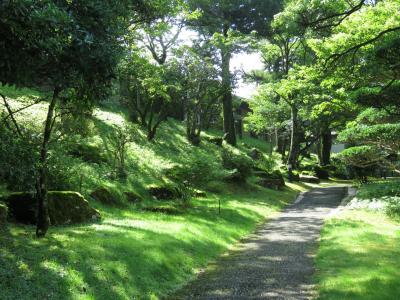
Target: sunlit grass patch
<point>359,257</point>
<point>131,253</point>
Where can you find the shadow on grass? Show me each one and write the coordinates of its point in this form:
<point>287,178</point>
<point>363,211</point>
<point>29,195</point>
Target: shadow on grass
<point>358,261</point>
<point>121,258</point>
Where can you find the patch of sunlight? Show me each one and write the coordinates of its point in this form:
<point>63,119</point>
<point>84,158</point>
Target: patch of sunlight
<point>154,226</point>
<point>55,268</point>
<point>24,268</point>
<point>110,118</point>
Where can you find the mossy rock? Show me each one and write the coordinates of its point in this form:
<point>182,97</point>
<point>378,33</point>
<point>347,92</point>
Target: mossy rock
<point>164,192</point>
<point>215,140</point>
<point>271,183</point>
<point>168,210</point>
<point>64,208</point>
<point>235,176</point>
<point>255,154</point>
<point>273,180</point>
<point>88,153</point>
<point>132,197</point>
<point>310,179</point>
<point>200,194</point>
<point>105,197</point>
<point>3,213</point>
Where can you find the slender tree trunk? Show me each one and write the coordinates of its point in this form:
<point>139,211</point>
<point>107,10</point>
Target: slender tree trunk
<point>294,138</point>
<point>326,148</point>
<point>319,150</point>
<point>43,219</point>
<point>229,122</point>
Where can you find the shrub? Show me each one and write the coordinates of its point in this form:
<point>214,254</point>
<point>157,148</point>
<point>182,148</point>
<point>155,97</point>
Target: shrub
<point>197,172</point>
<point>267,163</point>
<point>340,170</point>
<point>379,189</point>
<point>233,159</point>
<point>393,207</point>
<point>322,172</point>
<point>18,157</point>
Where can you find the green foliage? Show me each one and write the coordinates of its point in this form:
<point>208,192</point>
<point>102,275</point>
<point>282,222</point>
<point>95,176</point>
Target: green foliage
<point>18,158</point>
<point>387,188</point>
<point>384,136</point>
<point>233,159</point>
<point>362,156</point>
<point>387,191</point>
<point>393,208</point>
<point>118,141</point>
<point>197,172</point>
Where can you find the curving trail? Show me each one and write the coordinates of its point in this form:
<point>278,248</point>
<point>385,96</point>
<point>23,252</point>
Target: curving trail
<point>276,262</point>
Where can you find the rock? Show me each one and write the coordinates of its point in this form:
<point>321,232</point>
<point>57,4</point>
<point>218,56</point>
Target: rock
<point>3,213</point>
<point>164,192</point>
<point>216,141</point>
<point>322,172</point>
<point>64,208</point>
<point>168,210</point>
<point>234,176</point>
<point>70,208</point>
<point>104,196</point>
<point>132,197</point>
<point>271,183</point>
<point>88,153</point>
<point>200,194</point>
<point>255,154</point>
<point>272,180</point>
<point>310,179</point>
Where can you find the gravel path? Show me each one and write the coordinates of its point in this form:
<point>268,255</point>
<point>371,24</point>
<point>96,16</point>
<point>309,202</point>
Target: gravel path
<point>277,261</point>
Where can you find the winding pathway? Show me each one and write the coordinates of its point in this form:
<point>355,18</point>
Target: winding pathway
<point>277,261</point>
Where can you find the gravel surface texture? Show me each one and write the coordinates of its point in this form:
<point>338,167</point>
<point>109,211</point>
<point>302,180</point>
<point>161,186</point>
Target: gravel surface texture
<point>276,262</point>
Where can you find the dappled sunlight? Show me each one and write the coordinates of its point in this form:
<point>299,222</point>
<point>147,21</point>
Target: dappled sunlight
<point>355,260</point>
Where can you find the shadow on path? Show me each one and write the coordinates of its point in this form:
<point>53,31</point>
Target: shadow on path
<point>274,263</point>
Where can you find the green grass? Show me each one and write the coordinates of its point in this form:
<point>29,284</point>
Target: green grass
<point>131,253</point>
<point>359,257</point>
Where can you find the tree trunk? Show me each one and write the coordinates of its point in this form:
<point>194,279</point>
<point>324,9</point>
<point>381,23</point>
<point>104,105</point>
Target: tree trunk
<point>43,219</point>
<point>319,150</point>
<point>326,148</point>
<point>229,122</point>
<point>294,138</point>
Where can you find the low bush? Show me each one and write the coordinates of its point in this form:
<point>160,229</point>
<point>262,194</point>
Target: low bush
<point>393,207</point>
<point>18,157</point>
<point>379,189</point>
<point>322,172</point>
<point>233,159</point>
<point>196,173</point>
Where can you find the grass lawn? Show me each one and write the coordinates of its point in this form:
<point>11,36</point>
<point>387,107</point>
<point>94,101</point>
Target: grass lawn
<point>131,253</point>
<point>359,257</point>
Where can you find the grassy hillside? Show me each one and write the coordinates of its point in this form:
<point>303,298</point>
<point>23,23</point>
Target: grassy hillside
<point>132,252</point>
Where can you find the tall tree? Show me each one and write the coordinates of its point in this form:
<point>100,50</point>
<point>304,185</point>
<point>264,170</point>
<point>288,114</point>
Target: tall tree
<point>224,20</point>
